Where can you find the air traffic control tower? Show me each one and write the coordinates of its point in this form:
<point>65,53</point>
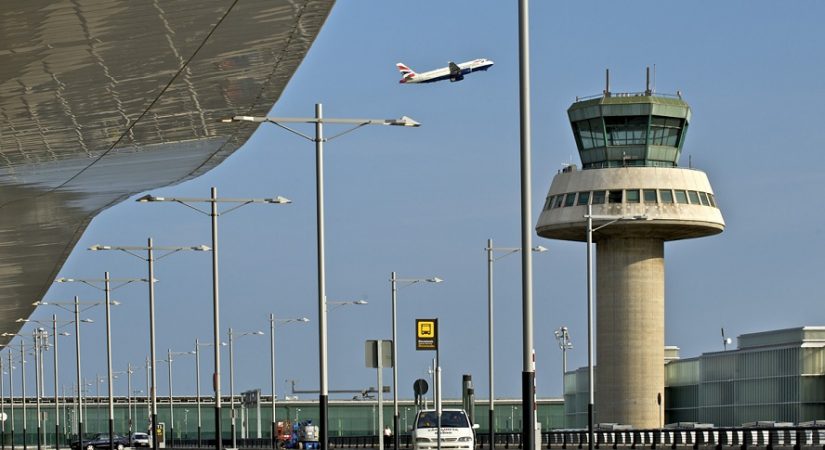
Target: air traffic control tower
<point>629,146</point>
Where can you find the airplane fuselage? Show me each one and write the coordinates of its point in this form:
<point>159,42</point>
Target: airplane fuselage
<point>445,73</point>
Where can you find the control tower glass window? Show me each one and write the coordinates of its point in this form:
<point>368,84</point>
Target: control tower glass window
<point>590,133</point>
<point>665,131</point>
<point>626,130</point>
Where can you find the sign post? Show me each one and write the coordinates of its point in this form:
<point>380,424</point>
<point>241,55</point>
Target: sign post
<point>378,354</point>
<point>426,339</point>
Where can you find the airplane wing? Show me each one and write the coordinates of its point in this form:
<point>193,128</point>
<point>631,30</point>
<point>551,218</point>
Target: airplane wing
<point>455,72</point>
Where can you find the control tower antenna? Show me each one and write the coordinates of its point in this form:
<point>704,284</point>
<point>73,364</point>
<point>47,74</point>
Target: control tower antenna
<point>647,82</point>
<point>607,82</point>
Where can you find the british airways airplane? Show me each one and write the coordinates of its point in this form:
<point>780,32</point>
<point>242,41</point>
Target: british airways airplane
<point>453,72</point>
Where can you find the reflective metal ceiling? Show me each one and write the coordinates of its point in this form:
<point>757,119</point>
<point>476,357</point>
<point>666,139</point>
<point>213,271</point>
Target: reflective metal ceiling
<point>102,99</point>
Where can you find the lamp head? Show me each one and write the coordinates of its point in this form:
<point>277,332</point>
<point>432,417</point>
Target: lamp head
<point>405,121</point>
<point>358,302</point>
<point>150,198</point>
<point>539,249</point>
<point>21,320</point>
<point>87,320</point>
<point>98,247</point>
<point>201,248</point>
<point>434,280</point>
<point>278,200</point>
<point>303,319</point>
<point>38,303</point>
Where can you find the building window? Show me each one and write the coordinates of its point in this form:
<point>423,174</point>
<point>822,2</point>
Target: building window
<point>694,197</point>
<point>666,195</point>
<point>549,202</point>
<point>703,198</point>
<point>649,195</point>
<point>626,130</point>
<point>570,199</point>
<point>712,200</point>
<point>584,197</point>
<point>557,202</point>
<point>590,133</point>
<point>665,131</point>
<point>614,197</point>
<point>632,196</point>
<point>598,197</point>
<point>681,197</point>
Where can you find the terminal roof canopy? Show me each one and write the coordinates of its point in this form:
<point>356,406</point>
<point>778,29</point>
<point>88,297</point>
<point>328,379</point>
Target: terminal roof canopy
<point>102,100</point>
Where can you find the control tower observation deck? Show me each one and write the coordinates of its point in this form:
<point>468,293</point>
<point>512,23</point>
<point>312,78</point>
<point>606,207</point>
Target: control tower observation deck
<point>629,146</point>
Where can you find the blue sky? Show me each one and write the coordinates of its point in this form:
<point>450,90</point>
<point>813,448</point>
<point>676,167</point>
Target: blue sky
<point>423,202</point>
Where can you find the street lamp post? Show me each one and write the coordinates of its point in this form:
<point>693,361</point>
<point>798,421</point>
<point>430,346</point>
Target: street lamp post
<point>11,398</point>
<point>563,338</point>
<point>213,214</point>
<point>319,139</point>
<point>22,382</point>
<point>150,258</point>
<point>272,322</point>
<point>490,340</point>
<point>610,220</point>
<point>23,387</point>
<point>75,309</point>
<point>108,302</point>
<point>394,280</point>
<point>169,355</point>
<point>232,377</point>
<point>2,409</point>
<point>198,345</point>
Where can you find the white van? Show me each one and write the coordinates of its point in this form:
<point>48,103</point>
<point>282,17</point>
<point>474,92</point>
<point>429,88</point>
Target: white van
<point>456,430</point>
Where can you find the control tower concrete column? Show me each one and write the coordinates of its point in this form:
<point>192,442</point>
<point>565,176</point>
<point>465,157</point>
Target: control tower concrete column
<point>629,145</point>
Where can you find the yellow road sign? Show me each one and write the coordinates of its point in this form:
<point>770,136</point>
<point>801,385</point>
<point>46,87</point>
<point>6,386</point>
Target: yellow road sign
<point>426,334</point>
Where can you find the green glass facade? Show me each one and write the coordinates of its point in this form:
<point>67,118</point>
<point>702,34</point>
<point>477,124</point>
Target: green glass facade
<point>772,376</point>
<point>346,418</point>
<point>628,130</point>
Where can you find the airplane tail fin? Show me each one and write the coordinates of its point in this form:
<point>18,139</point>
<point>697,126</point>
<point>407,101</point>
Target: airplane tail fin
<point>406,72</point>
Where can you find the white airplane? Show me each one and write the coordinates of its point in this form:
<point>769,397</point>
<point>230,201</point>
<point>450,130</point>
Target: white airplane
<point>453,72</point>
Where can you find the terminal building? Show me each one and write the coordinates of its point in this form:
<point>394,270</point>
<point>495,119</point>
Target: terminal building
<point>772,376</point>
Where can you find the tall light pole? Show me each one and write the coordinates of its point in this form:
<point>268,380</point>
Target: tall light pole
<point>563,339</point>
<point>198,345</point>
<point>150,258</point>
<point>609,220</point>
<point>23,387</point>
<point>107,289</point>
<point>272,322</point>
<point>528,376</point>
<point>11,397</point>
<point>394,280</point>
<point>2,409</point>
<point>232,376</point>
<point>213,214</point>
<point>319,140</point>
<point>168,360</point>
<point>75,309</point>
<point>491,258</point>
<point>37,343</point>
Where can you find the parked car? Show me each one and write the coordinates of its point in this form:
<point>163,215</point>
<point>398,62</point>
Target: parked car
<point>141,440</point>
<point>456,431</point>
<point>100,441</point>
